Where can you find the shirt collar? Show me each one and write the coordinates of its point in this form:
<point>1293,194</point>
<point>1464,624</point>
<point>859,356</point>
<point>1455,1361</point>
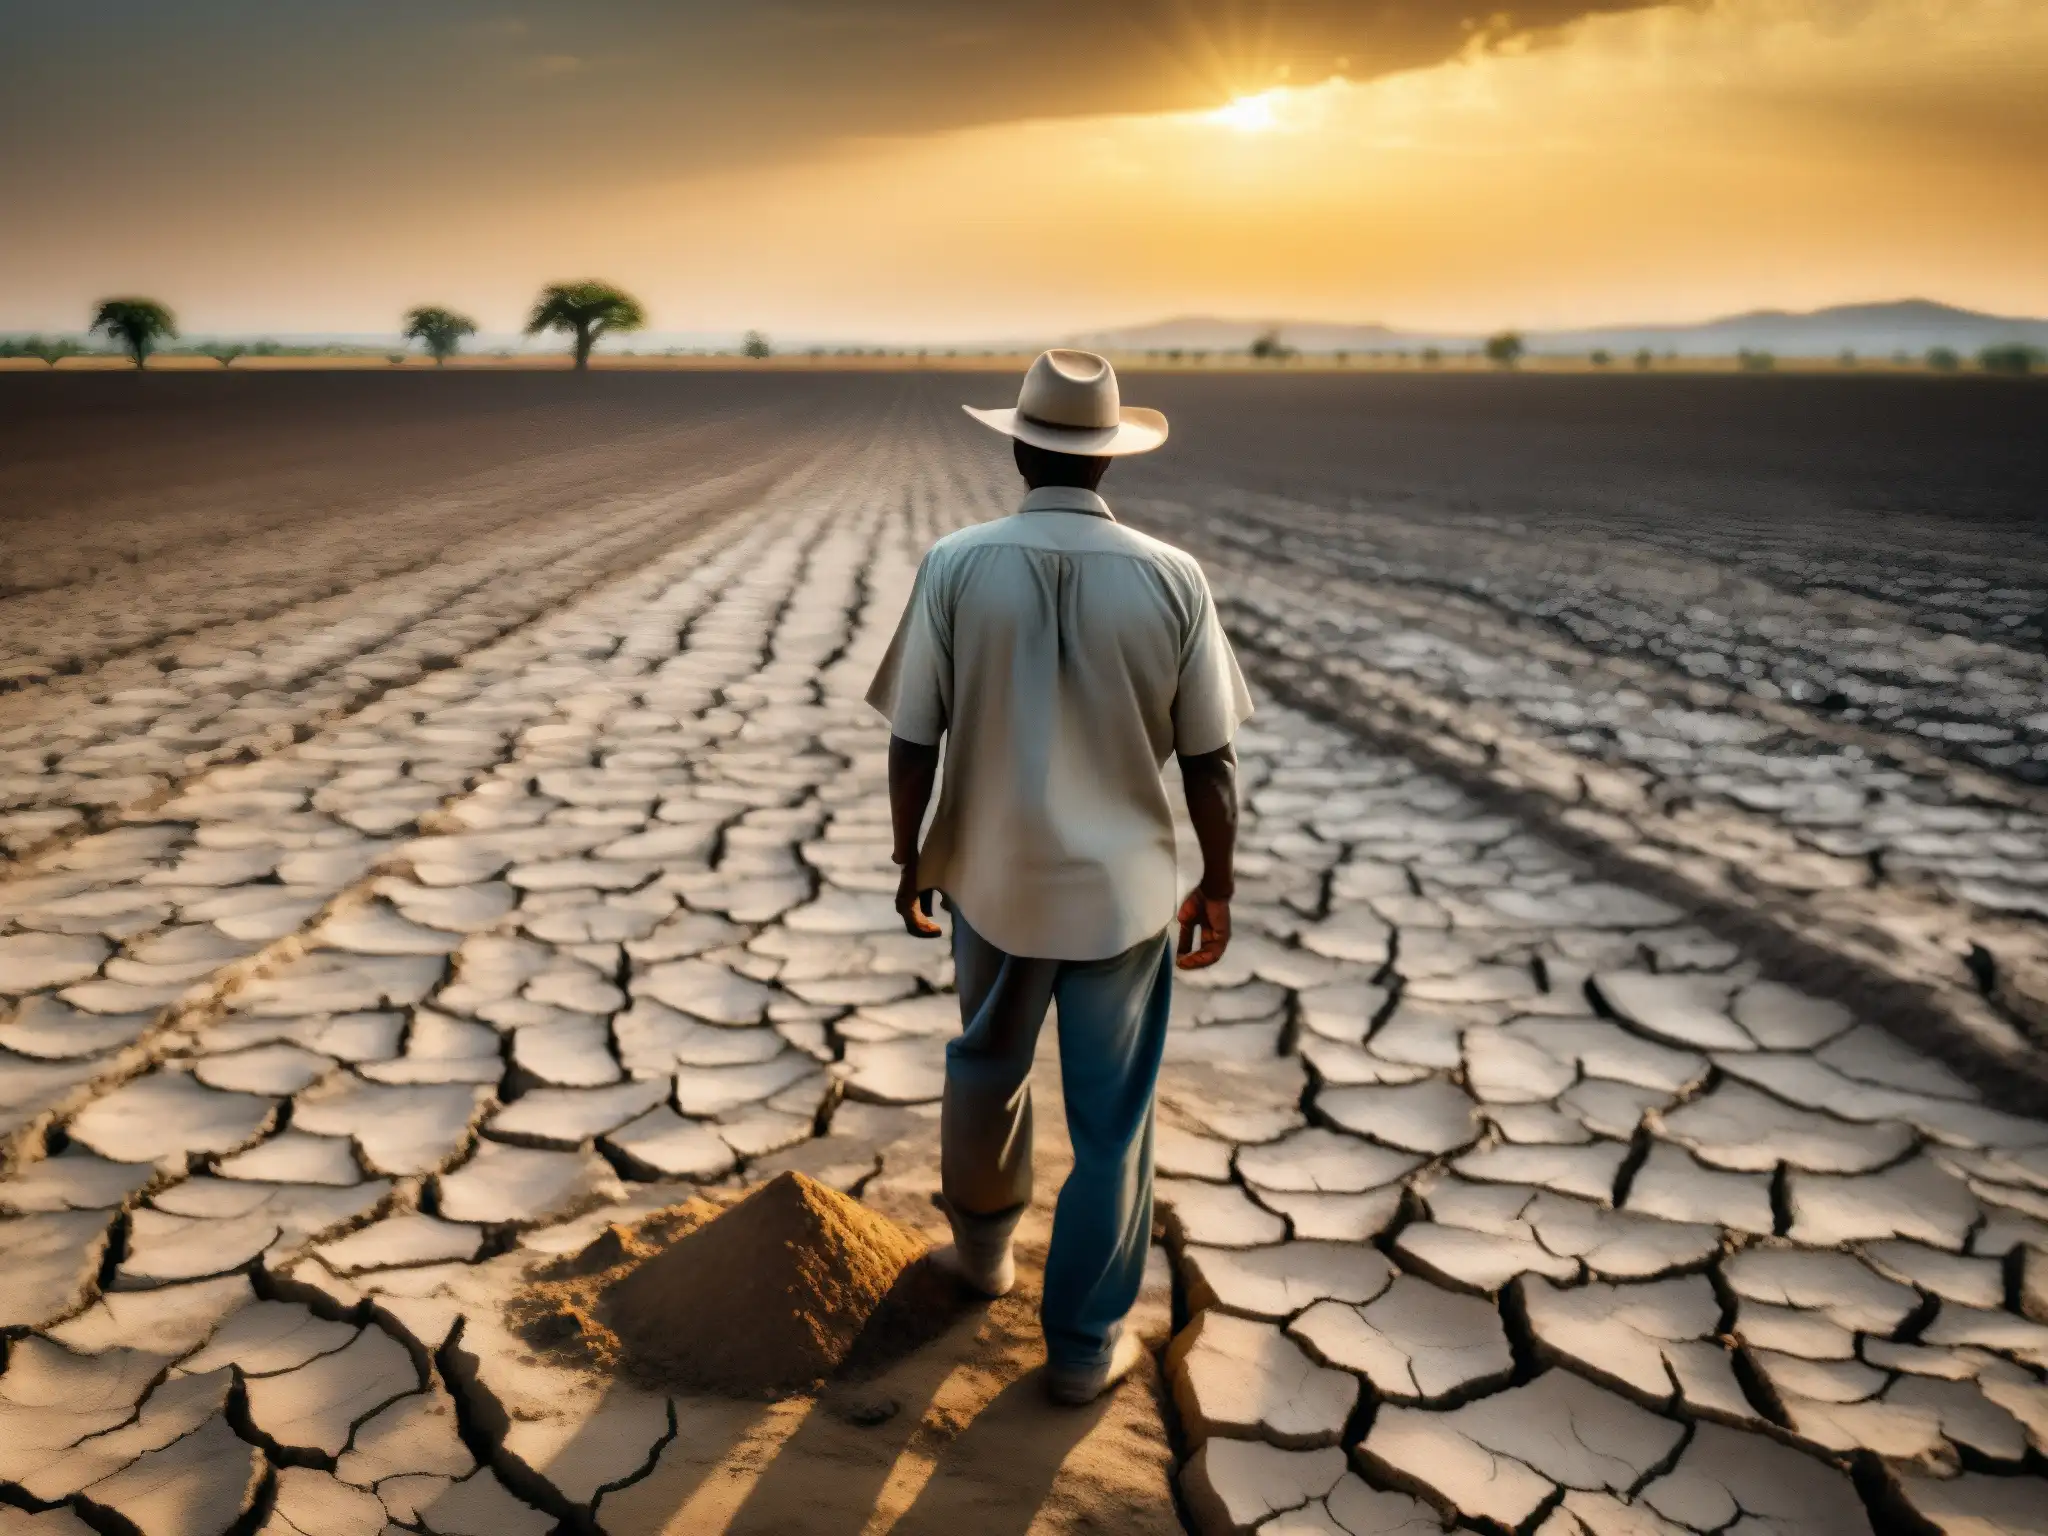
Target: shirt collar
<point>1066,498</point>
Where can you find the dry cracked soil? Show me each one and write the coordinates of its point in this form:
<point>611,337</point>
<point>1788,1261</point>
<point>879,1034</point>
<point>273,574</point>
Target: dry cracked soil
<point>441,820</point>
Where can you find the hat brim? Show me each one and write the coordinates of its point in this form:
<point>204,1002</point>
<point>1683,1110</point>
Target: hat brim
<point>1138,430</point>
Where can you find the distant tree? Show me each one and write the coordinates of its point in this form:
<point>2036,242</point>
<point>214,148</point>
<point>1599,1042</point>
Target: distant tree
<point>1174,354</point>
<point>1847,357</point>
<point>224,352</point>
<point>1943,359</point>
<point>2011,357</point>
<point>266,348</point>
<point>1267,347</point>
<point>1431,356</point>
<point>1341,358</point>
<point>1505,350</point>
<point>52,350</point>
<point>587,310</point>
<point>1755,362</point>
<point>137,324</point>
<point>1645,358</point>
<point>439,330</point>
<point>395,359</point>
<point>1600,357</point>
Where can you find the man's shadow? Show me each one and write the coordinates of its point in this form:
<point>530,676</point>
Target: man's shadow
<point>992,1476</point>
<point>995,1477</point>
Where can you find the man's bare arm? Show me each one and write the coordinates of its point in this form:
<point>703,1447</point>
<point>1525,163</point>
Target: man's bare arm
<point>1211,784</point>
<point>913,770</point>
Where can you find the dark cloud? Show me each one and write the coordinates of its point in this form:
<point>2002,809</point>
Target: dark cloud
<point>206,101</point>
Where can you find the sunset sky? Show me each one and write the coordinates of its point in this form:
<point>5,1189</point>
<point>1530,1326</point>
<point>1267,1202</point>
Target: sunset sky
<point>953,170</point>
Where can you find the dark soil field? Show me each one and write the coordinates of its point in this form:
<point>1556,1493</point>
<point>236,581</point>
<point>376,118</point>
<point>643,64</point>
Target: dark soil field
<point>440,818</point>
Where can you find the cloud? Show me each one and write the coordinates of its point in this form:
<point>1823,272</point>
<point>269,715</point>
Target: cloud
<point>895,164</point>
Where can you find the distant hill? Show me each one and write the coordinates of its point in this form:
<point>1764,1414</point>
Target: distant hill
<point>1872,330</point>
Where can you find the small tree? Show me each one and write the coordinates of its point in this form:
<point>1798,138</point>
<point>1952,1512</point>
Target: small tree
<point>1267,347</point>
<point>1505,350</point>
<point>755,345</point>
<point>1755,362</point>
<point>439,330</point>
<point>224,352</point>
<point>1431,356</point>
<point>137,324</point>
<point>1943,359</point>
<point>1847,359</point>
<point>52,350</point>
<point>1645,358</point>
<point>1600,357</point>
<point>588,310</point>
<point>2011,357</point>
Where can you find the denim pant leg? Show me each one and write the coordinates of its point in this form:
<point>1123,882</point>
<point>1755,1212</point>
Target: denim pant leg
<point>1112,1021</point>
<point>985,1118</point>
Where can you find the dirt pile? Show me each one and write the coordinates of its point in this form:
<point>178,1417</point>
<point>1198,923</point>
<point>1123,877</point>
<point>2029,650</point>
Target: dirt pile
<point>772,1295</point>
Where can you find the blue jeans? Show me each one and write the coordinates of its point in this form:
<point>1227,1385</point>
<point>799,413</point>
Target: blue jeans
<point>1112,1023</point>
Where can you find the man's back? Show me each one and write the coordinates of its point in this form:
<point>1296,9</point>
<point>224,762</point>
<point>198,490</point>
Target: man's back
<point>1061,657</point>
<point>1064,656</point>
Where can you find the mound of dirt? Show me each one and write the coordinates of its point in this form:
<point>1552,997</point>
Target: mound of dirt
<point>769,1296</point>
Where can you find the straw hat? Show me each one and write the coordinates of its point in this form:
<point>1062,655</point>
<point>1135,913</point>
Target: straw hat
<point>1069,404</point>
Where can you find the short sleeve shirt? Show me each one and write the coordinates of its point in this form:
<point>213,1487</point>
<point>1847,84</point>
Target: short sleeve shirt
<point>1063,658</point>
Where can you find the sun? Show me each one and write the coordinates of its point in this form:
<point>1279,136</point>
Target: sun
<point>1251,114</point>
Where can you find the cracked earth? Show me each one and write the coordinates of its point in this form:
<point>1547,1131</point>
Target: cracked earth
<point>364,951</point>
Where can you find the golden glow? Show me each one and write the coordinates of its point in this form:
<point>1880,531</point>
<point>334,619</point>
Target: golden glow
<point>1668,163</point>
<point>1251,114</point>
<point>1672,163</point>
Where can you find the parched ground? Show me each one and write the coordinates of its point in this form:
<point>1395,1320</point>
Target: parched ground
<point>457,826</point>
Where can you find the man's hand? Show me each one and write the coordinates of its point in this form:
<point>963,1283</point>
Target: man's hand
<point>913,770</point>
<point>1210,781</point>
<point>914,906</point>
<point>1211,916</point>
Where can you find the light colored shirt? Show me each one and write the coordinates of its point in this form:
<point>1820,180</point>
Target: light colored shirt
<point>1063,657</point>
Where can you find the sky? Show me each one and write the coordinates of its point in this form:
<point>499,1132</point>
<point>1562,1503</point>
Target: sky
<point>937,171</point>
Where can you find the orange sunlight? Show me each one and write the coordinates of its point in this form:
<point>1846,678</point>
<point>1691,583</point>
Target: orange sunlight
<point>1668,163</point>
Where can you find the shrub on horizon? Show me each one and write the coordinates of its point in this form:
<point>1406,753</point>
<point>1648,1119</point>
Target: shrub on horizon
<point>1505,349</point>
<point>136,324</point>
<point>1600,357</point>
<point>755,345</point>
<point>1755,362</point>
<point>1943,359</point>
<point>439,330</point>
<point>2012,357</point>
<point>1645,358</point>
<point>1267,347</point>
<point>223,352</point>
<point>52,351</point>
<point>589,310</point>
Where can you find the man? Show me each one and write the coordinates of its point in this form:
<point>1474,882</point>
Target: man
<point>1062,657</point>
